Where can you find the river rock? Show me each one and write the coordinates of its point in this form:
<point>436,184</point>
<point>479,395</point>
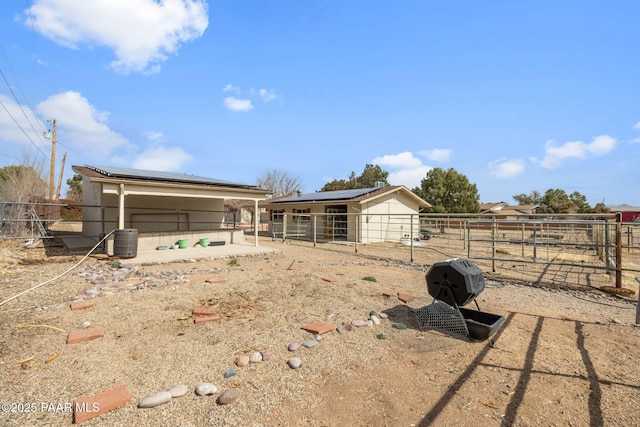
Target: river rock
<point>375,319</point>
<point>266,356</point>
<point>310,343</point>
<point>227,396</point>
<point>205,389</point>
<point>317,337</point>
<point>347,326</point>
<point>179,390</point>
<point>231,372</point>
<point>155,399</point>
<point>255,357</point>
<point>242,361</point>
<point>294,362</point>
<point>294,346</point>
<point>384,316</point>
<point>359,323</point>
<point>374,313</point>
<point>341,330</point>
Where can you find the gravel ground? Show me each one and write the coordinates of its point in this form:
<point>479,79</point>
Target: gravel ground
<point>562,357</point>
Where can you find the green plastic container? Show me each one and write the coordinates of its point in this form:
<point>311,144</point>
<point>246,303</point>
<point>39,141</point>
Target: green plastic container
<point>183,243</point>
<point>204,242</point>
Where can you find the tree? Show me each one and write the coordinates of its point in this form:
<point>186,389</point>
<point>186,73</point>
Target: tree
<point>22,183</point>
<point>448,192</point>
<point>600,208</point>
<point>279,182</point>
<point>75,188</point>
<point>580,202</point>
<point>534,198</point>
<point>371,175</point>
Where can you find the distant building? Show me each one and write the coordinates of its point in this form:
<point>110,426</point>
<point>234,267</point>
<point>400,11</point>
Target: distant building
<point>628,213</point>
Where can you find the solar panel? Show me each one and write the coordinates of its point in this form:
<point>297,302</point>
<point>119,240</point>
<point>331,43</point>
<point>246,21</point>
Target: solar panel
<point>327,195</point>
<point>161,176</point>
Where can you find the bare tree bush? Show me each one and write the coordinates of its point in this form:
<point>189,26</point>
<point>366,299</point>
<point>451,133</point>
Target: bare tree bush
<point>280,182</point>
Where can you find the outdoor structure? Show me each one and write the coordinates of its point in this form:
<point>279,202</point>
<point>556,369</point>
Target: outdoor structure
<point>627,213</point>
<point>164,207</point>
<point>364,215</point>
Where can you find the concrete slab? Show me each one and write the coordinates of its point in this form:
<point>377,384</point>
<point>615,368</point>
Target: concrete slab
<point>196,252</point>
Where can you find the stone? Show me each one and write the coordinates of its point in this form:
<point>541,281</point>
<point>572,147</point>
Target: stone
<point>374,313</point>
<point>383,315</point>
<point>359,323</point>
<point>155,399</point>
<point>228,396</point>
<point>266,356</point>
<point>255,357</point>
<point>370,323</point>
<point>294,346</point>
<point>317,337</point>
<point>310,343</point>
<point>341,331</point>
<point>294,362</point>
<point>375,319</point>
<point>242,361</point>
<point>231,372</point>
<point>205,389</point>
<point>179,390</point>
<point>347,326</point>
<point>84,325</point>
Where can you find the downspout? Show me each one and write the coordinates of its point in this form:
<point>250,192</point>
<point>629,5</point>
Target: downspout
<point>121,208</point>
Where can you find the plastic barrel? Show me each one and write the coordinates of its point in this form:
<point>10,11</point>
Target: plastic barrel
<point>125,243</point>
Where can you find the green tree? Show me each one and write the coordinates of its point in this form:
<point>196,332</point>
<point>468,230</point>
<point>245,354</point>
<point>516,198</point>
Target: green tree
<point>367,179</point>
<point>448,192</point>
<point>600,208</point>
<point>75,188</point>
<point>534,198</point>
<point>580,202</point>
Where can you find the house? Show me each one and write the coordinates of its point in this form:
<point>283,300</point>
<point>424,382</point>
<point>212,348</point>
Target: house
<point>503,211</point>
<point>163,207</point>
<point>365,215</point>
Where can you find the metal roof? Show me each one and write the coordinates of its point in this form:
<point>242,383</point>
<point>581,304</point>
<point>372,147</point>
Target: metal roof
<point>327,195</point>
<point>161,176</point>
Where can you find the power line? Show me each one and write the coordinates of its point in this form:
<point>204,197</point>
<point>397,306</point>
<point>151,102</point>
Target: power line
<point>23,131</point>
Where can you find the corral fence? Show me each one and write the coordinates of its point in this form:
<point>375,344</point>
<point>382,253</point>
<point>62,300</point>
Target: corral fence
<point>562,246</point>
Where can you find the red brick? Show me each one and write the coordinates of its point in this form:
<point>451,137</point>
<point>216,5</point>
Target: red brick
<point>405,297</point>
<point>87,407</point>
<point>213,318</point>
<point>318,327</point>
<point>202,311</point>
<point>80,335</point>
<point>80,305</point>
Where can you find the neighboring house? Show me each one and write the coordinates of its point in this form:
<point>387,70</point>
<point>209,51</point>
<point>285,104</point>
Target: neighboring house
<point>503,211</point>
<point>365,215</point>
<point>628,213</point>
<point>163,206</point>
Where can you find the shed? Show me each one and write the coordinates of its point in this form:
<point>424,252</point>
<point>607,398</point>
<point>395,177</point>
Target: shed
<point>163,206</point>
<point>365,215</point>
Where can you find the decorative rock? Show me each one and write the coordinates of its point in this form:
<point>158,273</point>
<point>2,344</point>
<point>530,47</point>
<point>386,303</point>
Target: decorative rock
<point>228,396</point>
<point>242,361</point>
<point>374,313</point>
<point>310,343</point>
<point>341,331</point>
<point>347,326</point>
<point>205,389</point>
<point>155,399</point>
<point>384,316</point>
<point>255,357</point>
<point>266,356</point>
<point>375,319</point>
<point>359,323</point>
<point>294,362</point>
<point>231,372</point>
<point>294,346</point>
<point>317,337</point>
<point>370,323</point>
<point>84,325</point>
<point>179,390</point>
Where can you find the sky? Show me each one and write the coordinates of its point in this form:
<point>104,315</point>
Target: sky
<point>518,96</point>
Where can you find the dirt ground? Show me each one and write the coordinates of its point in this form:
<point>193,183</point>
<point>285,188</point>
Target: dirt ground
<point>562,356</point>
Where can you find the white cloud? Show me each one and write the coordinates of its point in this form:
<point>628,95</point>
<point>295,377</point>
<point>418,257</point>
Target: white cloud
<point>634,141</point>
<point>235,104</point>
<point>13,133</point>
<point>267,96</point>
<point>441,155</point>
<point>231,88</point>
<point>81,124</point>
<point>141,33</point>
<point>162,159</point>
<point>409,169</point>
<point>636,126</point>
<point>555,155</point>
<point>153,136</point>
<point>504,168</point>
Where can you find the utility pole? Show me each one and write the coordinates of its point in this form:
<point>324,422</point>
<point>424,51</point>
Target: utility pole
<point>64,157</point>
<point>53,161</point>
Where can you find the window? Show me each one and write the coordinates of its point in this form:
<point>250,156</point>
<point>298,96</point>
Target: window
<point>276,215</point>
<point>303,215</point>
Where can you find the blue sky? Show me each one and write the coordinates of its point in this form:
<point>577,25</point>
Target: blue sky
<point>516,95</point>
